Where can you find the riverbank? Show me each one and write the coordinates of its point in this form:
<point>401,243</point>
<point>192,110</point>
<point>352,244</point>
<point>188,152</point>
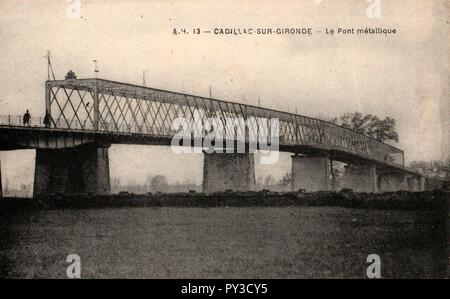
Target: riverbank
<point>436,200</point>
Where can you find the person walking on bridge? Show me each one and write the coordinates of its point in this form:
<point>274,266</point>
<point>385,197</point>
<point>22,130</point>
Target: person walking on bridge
<point>26,118</point>
<point>47,119</point>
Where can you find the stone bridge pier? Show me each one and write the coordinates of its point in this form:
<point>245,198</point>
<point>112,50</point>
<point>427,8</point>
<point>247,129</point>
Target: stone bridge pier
<point>228,171</point>
<point>311,173</point>
<point>415,183</point>
<point>392,181</point>
<point>81,169</point>
<point>360,178</point>
<point>368,178</point>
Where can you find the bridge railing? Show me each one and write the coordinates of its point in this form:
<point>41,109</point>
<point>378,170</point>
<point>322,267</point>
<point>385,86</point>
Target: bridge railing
<point>38,122</point>
<point>17,120</point>
<point>321,134</point>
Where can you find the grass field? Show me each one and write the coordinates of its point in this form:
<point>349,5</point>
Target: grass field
<point>222,242</point>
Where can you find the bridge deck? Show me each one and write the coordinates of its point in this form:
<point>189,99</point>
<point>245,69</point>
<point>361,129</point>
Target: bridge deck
<point>13,137</point>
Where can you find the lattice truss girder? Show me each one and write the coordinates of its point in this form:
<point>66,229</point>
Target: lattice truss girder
<point>72,108</point>
<point>132,109</point>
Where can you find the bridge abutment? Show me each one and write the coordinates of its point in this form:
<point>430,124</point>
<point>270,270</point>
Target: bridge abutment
<point>82,169</point>
<point>311,173</point>
<point>233,171</point>
<point>360,178</point>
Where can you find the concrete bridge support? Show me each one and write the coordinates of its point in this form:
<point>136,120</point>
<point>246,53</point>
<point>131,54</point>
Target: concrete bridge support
<point>222,171</point>
<point>360,178</point>
<point>311,173</point>
<point>82,169</point>
<point>422,182</point>
<point>391,181</point>
<point>414,184</point>
<point>433,184</point>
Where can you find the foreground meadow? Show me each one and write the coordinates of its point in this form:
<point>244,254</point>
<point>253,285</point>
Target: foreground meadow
<point>222,242</point>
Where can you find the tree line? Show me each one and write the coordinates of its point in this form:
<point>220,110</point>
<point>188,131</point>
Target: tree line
<point>381,129</point>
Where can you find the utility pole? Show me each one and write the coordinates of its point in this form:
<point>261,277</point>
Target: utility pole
<point>49,66</point>
<point>210,92</point>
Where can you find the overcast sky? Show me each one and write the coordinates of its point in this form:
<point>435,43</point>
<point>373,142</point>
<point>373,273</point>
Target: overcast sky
<point>403,76</point>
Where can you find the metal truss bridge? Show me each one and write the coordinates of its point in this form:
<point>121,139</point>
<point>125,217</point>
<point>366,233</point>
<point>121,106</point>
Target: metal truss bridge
<point>88,115</point>
<point>86,110</point>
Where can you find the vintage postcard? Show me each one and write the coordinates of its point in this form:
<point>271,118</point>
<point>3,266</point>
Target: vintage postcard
<point>203,139</point>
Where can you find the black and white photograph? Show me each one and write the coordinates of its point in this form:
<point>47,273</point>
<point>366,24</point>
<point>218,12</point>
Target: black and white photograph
<point>224,141</point>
